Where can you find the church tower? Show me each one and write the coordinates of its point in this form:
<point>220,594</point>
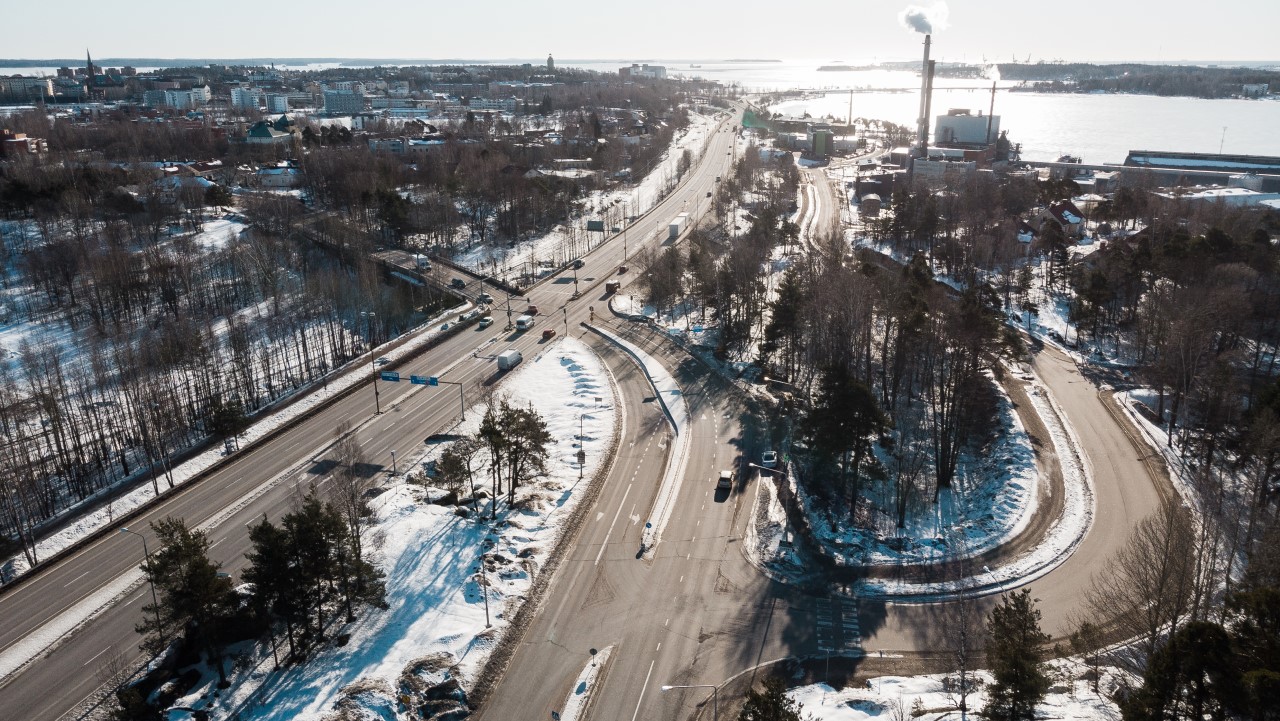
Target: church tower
<point>551,64</point>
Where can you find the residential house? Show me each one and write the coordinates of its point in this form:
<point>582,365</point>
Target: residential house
<point>1066,215</point>
<point>265,133</point>
<point>281,177</point>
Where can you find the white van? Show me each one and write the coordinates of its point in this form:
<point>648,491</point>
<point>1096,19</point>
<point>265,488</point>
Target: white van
<point>524,322</point>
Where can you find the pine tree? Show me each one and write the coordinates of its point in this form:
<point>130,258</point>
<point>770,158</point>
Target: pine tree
<point>771,704</point>
<point>527,439</point>
<point>1014,654</point>
<point>1192,677</point>
<point>193,595</point>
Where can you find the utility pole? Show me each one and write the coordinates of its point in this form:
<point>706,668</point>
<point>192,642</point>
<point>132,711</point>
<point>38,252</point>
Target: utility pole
<point>150,578</point>
<point>373,363</point>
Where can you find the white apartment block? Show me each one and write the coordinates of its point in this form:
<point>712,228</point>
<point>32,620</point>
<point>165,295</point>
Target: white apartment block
<point>246,98</point>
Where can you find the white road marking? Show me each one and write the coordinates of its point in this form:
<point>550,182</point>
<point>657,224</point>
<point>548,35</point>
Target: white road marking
<point>682,579</point>
<point>96,655</point>
<point>643,688</point>
<point>659,648</point>
<point>77,578</point>
<point>610,531</point>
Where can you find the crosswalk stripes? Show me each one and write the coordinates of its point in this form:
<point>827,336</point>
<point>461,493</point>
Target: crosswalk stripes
<point>836,625</point>
<point>849,623</point>
<point>824,627</point>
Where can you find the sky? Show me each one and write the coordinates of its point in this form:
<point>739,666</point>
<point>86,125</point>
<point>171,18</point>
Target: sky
<point>850,30</point>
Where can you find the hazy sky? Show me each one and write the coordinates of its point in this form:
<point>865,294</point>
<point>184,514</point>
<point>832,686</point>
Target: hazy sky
<point>677,29</point>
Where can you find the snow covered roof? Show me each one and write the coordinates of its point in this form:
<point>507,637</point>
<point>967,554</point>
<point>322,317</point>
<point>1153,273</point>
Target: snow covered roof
<point>1065,212</point>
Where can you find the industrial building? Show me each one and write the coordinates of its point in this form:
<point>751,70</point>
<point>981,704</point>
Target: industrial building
<point>961,127</point>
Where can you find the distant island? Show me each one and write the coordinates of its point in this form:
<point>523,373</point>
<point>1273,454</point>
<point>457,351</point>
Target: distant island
<point>837,68</point>
<point>1194,81</point>
<point>750,60</point>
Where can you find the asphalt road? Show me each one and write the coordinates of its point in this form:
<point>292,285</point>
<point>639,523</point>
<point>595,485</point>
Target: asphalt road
<point>698,612</point>
<point>266,480</point>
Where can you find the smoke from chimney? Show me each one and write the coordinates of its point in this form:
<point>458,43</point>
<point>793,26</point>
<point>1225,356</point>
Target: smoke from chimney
<point>924,20</point>
<point>992,72</point>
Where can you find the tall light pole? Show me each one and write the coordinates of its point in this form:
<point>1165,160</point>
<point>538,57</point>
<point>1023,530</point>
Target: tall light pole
<point>369,315</point>
<point>150,578</point>
<point>624,230</point>
<point>715,705</point>
<point>484,589</point>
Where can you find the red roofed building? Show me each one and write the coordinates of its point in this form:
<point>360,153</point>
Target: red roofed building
<point>1066,215</point>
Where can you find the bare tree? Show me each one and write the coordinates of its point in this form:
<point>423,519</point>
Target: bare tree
<point>351,483</point>
<point>1147,588</point>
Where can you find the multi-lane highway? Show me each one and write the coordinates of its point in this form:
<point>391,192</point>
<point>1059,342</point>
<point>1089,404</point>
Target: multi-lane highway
<point>696,613</point>
<point>264,480</point>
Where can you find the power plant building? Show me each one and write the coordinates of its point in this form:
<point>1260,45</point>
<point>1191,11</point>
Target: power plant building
<point>959,127</point>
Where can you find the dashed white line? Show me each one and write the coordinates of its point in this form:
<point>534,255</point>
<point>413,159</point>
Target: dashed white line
<point>96,655</point>
<point>605,542</point>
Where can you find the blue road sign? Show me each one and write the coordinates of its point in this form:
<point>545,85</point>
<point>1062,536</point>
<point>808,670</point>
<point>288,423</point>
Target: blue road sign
<point>418,380</point>
<point>433,381</point>
<point>393,376</point>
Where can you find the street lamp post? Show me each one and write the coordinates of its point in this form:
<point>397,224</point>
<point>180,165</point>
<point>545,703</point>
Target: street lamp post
<point>150,577</point>
<point>624,230</point>
<point>715,704</point>
<point>484,589</point>
<point>368,315</point>
<point>393,462</point>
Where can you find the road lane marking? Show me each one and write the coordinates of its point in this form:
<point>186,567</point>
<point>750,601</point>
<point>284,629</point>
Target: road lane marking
<point>607,533</point>
<point>108,648</point>
<point>659,648</point>
<point>77,578</point>
<point>643,688</point>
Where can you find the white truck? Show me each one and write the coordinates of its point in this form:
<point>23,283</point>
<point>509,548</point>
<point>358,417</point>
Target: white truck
<point>509,359</point>
<point>422,261</point>
<point>677,226</point>
<point>524,322</point>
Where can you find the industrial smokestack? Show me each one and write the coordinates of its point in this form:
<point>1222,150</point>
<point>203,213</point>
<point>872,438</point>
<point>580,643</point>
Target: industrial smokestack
<point>928,110</point>
<point>991,113</point>
<point>922,124</point>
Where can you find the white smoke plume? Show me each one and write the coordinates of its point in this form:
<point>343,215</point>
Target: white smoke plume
<point>992,72</point>
<point>924,20</point>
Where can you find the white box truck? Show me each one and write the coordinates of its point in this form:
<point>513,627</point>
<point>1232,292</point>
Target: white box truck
<point>524,322</point>
<point>677,226</point>
<point>422,261</point>
<point>509,359</point>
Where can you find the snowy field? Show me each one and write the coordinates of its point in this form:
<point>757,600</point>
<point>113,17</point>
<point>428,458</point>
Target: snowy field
<point>926,698</point>
<point>435,629</point>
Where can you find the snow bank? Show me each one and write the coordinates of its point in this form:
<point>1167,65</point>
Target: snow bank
<point>901,697</point>
<point>433,557</point>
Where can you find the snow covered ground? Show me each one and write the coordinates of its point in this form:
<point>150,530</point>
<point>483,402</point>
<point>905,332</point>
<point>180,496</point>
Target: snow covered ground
<point>992,498</point>
<point>436,629</point>
<point>926,698</point>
